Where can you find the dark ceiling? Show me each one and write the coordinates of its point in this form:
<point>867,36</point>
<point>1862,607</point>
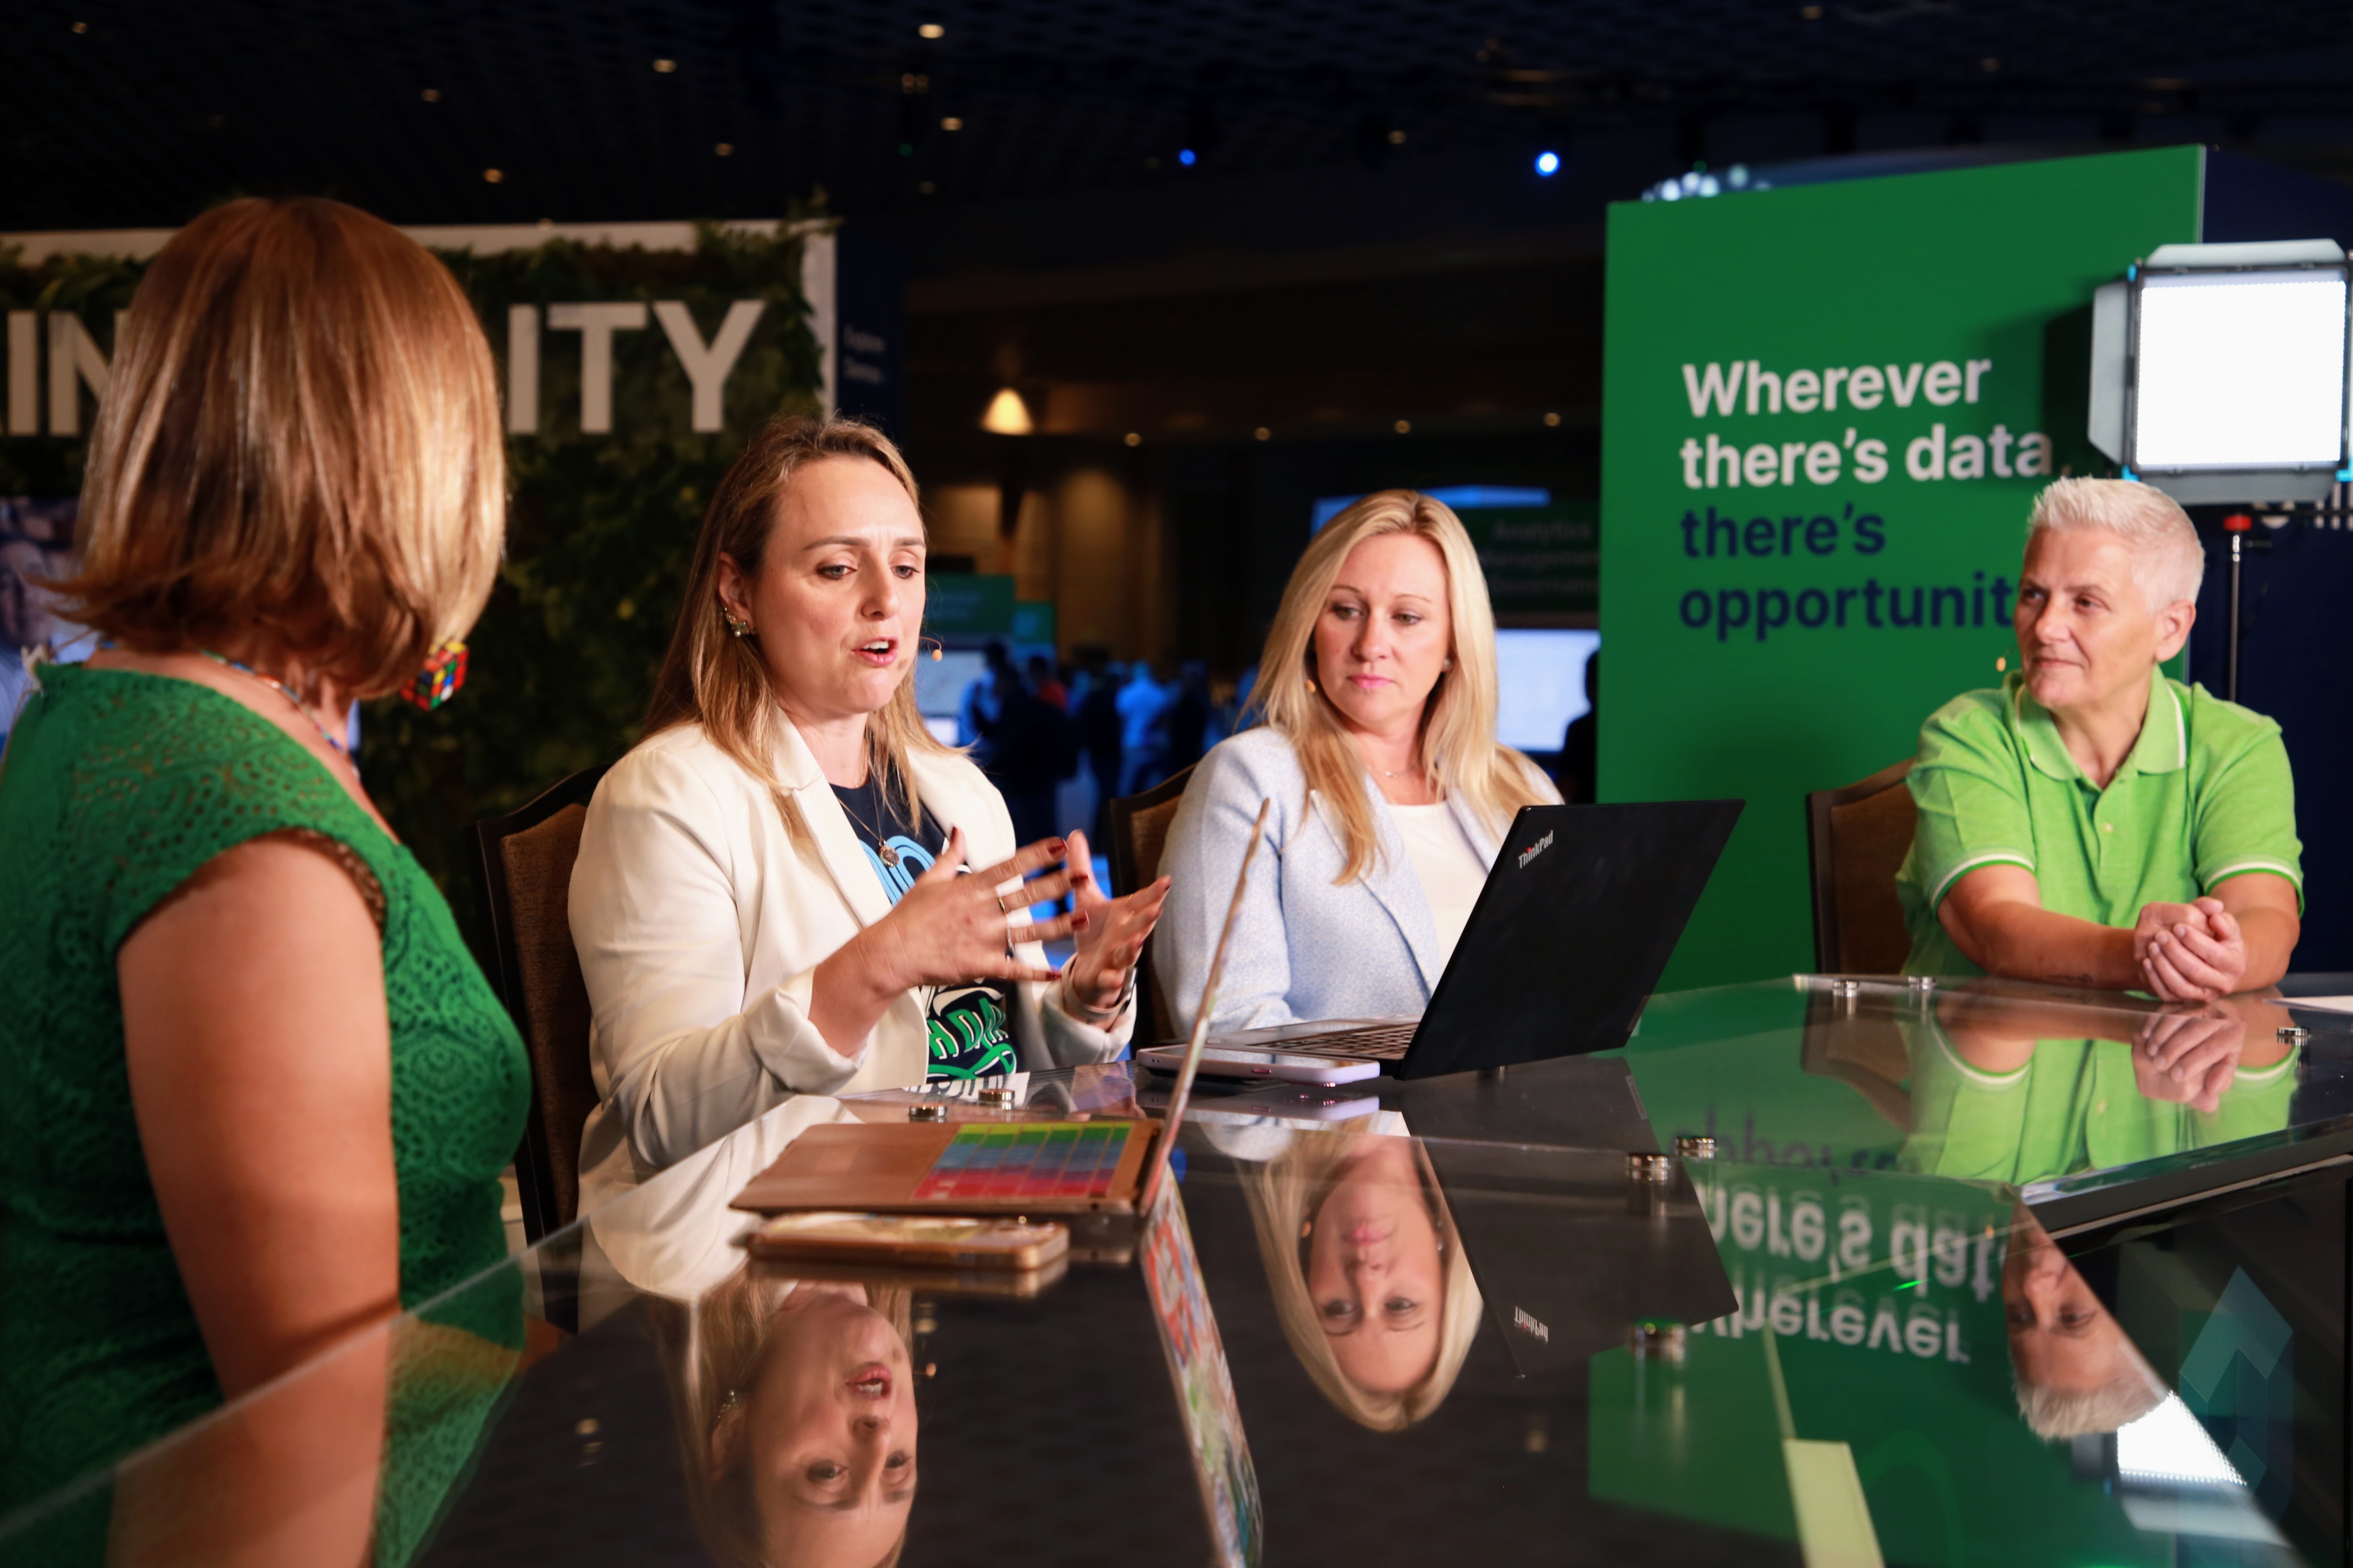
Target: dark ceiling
<point>138,114</point>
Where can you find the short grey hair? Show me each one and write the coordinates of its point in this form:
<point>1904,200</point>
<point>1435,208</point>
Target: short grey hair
<point>2168,562</point>
<point>2131,1391</point>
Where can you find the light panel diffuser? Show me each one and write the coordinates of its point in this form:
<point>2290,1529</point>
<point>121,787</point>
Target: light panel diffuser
<point>2240,370</point>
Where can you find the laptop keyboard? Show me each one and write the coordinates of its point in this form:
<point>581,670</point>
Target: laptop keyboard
<point>1387,1043</point>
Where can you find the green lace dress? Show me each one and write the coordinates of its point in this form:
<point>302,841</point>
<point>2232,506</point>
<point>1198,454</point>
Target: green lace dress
<point>116,787</point>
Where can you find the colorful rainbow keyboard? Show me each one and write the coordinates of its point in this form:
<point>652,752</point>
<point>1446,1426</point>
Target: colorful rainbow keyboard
<point>1028,1160</point>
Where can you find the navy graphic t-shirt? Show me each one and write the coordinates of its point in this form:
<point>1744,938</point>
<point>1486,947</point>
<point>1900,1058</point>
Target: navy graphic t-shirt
<point>971,1025</point>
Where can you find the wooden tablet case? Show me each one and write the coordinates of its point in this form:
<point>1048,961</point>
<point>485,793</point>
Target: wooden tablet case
<point>883,1167</point>
<point>998,1243</point>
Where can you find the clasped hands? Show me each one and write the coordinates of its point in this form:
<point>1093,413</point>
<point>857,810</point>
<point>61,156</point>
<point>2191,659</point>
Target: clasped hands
<point>950,928</point>
<point>2190,953</point>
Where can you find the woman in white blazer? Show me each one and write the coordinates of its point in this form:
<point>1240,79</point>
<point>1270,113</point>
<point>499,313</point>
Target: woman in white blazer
<point>767,899</point>
<point>1391,792</point>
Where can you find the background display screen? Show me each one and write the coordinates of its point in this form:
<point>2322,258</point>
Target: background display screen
<point>1540,685</point>
<point>2240,370</point>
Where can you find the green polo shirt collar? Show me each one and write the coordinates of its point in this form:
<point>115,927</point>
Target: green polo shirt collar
<point>2163,746</point>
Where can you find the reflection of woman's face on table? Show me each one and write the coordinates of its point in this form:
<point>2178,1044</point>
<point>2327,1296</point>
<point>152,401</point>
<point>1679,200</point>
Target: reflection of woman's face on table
<point>828,1430</point>
<point>1374,1271</point>
<point>2061,1336</point>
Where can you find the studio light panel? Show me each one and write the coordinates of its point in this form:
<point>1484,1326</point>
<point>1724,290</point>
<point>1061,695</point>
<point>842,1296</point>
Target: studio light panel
<point>2240,370</point>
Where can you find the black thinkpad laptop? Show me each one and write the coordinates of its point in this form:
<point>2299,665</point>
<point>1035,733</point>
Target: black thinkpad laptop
<point>1580,913</point>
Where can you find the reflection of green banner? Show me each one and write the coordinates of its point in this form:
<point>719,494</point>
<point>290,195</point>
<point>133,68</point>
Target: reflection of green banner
<point>1539,561</point>
<point>1871,1316</point>
<point>959,604</point>
<point>1826,412</point>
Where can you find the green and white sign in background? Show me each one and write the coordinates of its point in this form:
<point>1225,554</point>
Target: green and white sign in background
<point>1826,412</point>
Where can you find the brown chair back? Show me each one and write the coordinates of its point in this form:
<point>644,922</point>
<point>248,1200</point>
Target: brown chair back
<point>1139,826</point>
<point>525,878</point>
<point>1857,837</point>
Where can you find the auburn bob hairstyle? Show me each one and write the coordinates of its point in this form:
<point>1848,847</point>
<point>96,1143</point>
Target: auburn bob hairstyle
<point>1460,754</point>
<point>299,446</point>
<point>716,679</point>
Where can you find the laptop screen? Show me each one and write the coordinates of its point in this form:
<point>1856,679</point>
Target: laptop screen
<point>1580,913</point>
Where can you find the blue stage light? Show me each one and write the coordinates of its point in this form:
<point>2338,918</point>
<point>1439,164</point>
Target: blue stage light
<point>1547,163</point>
<point>1186,156</point>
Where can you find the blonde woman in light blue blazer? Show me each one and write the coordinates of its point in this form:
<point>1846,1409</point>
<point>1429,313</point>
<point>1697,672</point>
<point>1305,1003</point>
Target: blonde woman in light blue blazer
<point>1391,792</point>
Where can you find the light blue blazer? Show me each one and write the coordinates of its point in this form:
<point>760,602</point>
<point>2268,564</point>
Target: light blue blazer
<point>1303,947</point>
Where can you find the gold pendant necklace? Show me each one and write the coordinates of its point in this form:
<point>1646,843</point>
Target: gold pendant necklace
<point>890,856</point>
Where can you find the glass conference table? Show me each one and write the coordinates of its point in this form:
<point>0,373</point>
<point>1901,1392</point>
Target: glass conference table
<point>1819,1271</point>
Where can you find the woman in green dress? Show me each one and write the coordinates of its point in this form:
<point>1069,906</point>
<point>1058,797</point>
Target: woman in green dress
<point>255,1096</point>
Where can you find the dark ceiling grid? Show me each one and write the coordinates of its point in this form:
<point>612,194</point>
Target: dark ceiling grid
<point>119,125</point>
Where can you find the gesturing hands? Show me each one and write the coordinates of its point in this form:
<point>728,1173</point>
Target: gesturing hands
<point>951,929</point>
<point>1112,933</point>
<point>2190,953</point>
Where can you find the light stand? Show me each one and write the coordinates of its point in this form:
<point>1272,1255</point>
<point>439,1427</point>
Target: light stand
<point>2237,526</point>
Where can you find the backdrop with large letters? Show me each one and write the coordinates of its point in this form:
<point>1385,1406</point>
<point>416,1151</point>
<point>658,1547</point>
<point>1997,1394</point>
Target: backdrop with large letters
<point>1826,412</point>
<point>632,376</point>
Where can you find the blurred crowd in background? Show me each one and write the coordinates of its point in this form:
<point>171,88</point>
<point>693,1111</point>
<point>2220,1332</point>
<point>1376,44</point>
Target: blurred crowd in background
<point>1061,741</point>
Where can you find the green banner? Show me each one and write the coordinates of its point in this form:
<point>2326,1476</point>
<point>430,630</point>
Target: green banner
<point>1826,412</point>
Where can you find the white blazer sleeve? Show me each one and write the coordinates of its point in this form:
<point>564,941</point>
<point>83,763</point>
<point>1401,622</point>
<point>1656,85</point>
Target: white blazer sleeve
<point>682,1057</point>
<point>1203,856</point>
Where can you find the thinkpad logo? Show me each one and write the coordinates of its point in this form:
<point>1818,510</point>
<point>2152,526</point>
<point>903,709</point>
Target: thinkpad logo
<point>1519,1320</point>
<point>1533,850</point>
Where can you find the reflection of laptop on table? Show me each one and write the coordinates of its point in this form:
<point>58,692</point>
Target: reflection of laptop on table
<point>1571,1249</point>
<point>1580,913</point>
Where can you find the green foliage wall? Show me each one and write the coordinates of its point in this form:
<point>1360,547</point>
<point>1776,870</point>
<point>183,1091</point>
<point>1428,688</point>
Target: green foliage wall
<point>600,531</point>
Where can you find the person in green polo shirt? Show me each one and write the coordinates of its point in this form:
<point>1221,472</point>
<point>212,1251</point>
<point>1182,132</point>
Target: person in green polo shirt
<point>2090,821</point>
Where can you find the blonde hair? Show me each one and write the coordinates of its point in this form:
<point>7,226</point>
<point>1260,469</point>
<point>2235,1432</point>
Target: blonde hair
<point>714,679</point>
<point>1460,754</point>
<point>710,1353</point>
<point>1283,1194</point>
<point>2169,564</point>
<point>300,440</point>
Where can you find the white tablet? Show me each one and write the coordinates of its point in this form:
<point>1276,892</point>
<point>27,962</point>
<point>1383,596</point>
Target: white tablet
<point>1288,1066</point>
